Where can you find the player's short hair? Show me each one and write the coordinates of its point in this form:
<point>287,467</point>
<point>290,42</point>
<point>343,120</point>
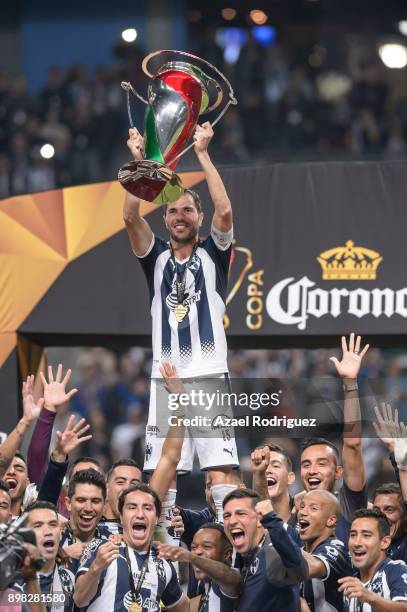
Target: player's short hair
<point>144,489</point>
<point>382,522</point>
<point>242,494</point>
<point>195,198</point>
<point>128,462</point>
<point>323,442</point>
<point>84,460</point>
<point>89,476</point>
<point>276,448</point>
<point>20,456</point>
<point>389,488</point>
<point>42,505</point>
<point>216,527</point>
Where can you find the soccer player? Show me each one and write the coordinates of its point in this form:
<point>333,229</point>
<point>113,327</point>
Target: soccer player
<point>210,559</point>
<point>128,575</point>
<point>121,475</point>
<point>326,556</point>
<point>320,463</point>
<point>381,584</point>
<point>187,279</point>
<point>55,581</point>
<point>272,476</point>
<point>85,502</point>
<point>269,560</point>
<point>389,500</point>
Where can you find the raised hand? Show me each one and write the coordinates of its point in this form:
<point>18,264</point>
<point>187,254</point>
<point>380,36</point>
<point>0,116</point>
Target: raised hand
<point>349,365</point>
<point>136,144</point>
<point>177,523</point>
<point>106,554</point>
<point>70,438</point>
<point>55,390</point>
<point>31,408</point>
<point>387,425</point>
<point>260,460</point>
<point>264,507</point>
<point>173,383</point>
<point>202,137</point>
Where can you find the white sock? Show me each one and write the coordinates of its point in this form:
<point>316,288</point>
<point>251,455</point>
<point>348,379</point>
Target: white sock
<point>167,533</point>
<point>219,493</point>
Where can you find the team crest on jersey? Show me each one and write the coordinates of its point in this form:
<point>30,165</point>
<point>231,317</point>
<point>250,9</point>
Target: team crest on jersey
<point>254,566</point>
<point>66,581</point>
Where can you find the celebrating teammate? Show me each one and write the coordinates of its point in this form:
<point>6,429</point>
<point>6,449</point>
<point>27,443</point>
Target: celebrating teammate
<point>187,279</point>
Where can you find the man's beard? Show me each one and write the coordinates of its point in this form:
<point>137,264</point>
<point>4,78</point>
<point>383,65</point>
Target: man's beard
<point>190,237</point>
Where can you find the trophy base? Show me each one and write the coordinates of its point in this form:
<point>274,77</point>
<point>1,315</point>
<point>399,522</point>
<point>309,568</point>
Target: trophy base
<point>151,181</point>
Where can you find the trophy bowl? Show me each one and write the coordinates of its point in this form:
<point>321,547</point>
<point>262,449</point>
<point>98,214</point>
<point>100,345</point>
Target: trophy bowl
<point>179,92</point>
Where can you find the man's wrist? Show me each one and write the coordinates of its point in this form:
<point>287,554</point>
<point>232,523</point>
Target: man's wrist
<point>58,456</point>
<point>349,384</point>
<point>22,425</point>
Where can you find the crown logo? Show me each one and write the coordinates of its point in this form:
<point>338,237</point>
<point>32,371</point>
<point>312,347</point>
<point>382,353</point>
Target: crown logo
<point>349,262</point>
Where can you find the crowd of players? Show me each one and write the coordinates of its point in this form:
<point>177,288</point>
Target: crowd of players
<point>110,541</point>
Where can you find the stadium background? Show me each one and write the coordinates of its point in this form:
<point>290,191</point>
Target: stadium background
<point>310,84</point>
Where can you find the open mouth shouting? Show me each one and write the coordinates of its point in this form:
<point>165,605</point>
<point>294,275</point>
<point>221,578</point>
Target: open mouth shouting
<point>139,529</point>
<point>50,546</point>
<point>238,537</point>
<point>12,483</point>
<point>271,481</point>
<point>314,483</point>
<point>304,524</point>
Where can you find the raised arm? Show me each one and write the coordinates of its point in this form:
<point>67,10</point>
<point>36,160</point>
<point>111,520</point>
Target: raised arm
<point>66,442</point>
<point>229,580</point>
<point>31,411</point>
<point>348,369</point>
<point>138,229</point>
<point>166,470</point>
<point>54,396</point>
<point>222,218</point>
<point>260,459</point>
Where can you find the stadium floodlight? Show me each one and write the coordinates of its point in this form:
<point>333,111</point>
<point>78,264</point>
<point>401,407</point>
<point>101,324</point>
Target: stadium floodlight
<point>403,27</point>
<point>129,35</point>
<point>393,55</point>
<point>47,151</point>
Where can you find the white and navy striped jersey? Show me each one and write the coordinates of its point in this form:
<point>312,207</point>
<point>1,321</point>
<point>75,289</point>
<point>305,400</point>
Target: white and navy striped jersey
<point>114,591</point>
<point>389,582</point>
<point>321,594</point>
<point>197,344</point>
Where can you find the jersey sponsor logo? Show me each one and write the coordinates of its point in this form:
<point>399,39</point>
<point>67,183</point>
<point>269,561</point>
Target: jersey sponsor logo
<point>128,600</point>
<point>331,552</point>
<point>172,298</point>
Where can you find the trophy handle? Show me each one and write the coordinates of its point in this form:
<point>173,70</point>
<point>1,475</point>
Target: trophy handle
<point>128,87</point>
<point>231,101</point>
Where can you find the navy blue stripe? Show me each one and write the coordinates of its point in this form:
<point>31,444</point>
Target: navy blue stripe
<point>221,259</point>
<point>204,315</point>
<point>165,326</point>
<point>184,330</point>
